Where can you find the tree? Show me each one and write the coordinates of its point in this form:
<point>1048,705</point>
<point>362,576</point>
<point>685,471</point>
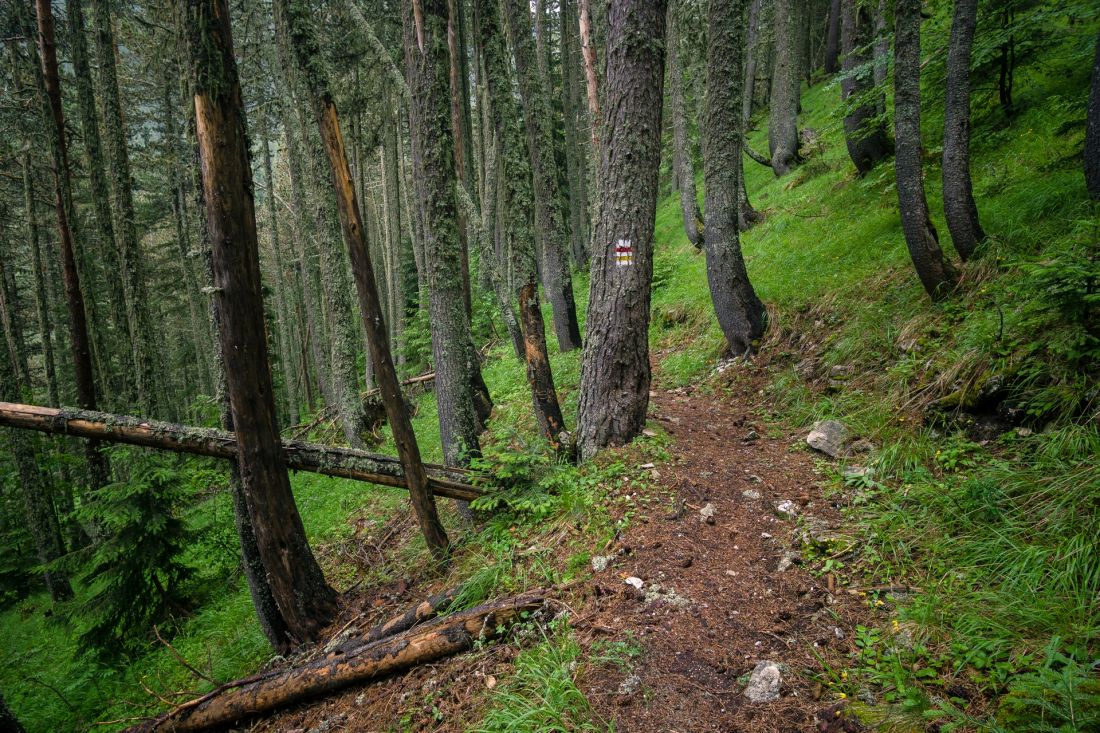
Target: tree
<point>864,133</point>
<point>458,382</point>
<point>549,224</point>
<point>935,273</point>
<point>576,152</point>
<point>832,38</point>
<point>615,372</point>
<point>591,80</point>
<point>294,18</point>
<point>740,312</point>
<point>305,600</point>
<point>786,81</point>
<point>49,88</point>
<point>511,155</point>
<point>683,173</point>
<point>1092,131</point>
<point>131,257</point>
<point>959,206</point>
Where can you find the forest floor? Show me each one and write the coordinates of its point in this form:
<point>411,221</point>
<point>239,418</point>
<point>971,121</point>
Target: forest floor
<point>718,595</point>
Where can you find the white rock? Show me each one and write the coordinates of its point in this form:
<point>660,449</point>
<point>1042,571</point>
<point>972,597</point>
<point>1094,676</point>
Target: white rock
<point>706,514</point>
<point>600,562</point>
<point>827,436</point>
<point>636,582</point>
<point>764,683</point>
<point>751,494</point>
<point>786,509</point>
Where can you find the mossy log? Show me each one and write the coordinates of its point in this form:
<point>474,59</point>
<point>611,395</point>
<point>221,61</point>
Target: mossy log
<point>262,694</point>
<point>341,462</point>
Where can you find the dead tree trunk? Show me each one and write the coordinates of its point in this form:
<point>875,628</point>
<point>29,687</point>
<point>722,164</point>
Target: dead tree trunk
<point>296,20</point>
<point>298,456</point>
<point>584,23</point>
<point>244,699</point>
<point>305,600</point>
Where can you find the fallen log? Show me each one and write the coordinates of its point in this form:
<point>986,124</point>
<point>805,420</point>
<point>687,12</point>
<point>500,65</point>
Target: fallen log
<point>253,696</point>
<point>418,614</point>
<point>341,462</point>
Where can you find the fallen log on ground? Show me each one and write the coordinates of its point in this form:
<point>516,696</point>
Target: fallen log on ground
<point>418,614</point>
<point>341,462</point>
<point>253,696</point>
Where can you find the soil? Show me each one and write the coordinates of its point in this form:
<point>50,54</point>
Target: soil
<point>713,602</point>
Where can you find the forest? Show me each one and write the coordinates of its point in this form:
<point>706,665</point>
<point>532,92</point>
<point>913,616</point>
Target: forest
<point>550,365</point>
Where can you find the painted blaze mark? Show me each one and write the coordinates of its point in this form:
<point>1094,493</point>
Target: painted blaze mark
<point>624,253</point>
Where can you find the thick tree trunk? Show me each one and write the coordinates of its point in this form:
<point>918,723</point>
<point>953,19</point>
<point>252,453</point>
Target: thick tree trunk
<point>864,135</point>
<point>959,206</point>
<point>133,270</point>
<point>682,169</point>
<point>615,373</point>
<point>832,38</point>
<point>740,312</point>
<point>881,55</point>
<point>935,272</point>
<point>460,124</point>
<point>517,206</point>
<point>122,378</point>
<point>1092,131</point>
<point>305,600</point>
<point>783,115</point>
<point>295,18</point>
<point>550,230</point>
<point>50,88</point>
<point>458,371</point>
<point>238,701</point>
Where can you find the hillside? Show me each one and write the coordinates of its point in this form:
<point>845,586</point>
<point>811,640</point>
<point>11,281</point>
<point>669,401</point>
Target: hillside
<point>957,584</point>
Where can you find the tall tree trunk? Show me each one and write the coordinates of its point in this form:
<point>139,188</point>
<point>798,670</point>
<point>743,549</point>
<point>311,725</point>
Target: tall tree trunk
<point>615,372</point>
<point>864,134</point>
<point>740,312</point>
<point>783,116</point>
<point>9,316</point>
<point>38,504</point>
<point>752,56</point>
<point>282,310</point>
<point>959,206</point>
<point>832,38</point>
<point>306,602</point>
<point>881,54</point>
<point>549,228</point>
<point>390,191</point>
<point>133,271</point>
<point>41,299</point>
<point>517,207</point>
<point>294,18</point>
<point>682,169</point>
<point>1092,131</point>
<point>935,272</point>
<point>458,371</point>
<point>123,380</point>
<point>460,124</point>
<point>49,88</point>
<point>591,81</point>
<point>572,109</point>
<point>747,216</point>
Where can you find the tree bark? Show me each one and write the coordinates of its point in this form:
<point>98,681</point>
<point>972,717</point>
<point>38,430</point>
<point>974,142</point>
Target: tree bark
<point>295,18</point>
<point>752,56</point>
<point>572,109</point>
<point>50,89</point>
<point>935,272</point>
<point>1092,131</point>
<point>864,135</point>
<point>41,299</point>
<point>682,169</point>
<point>458,371</point>
<point>783,115</point>
<point>832,38</point>
<point>615,371</point>
<point>305,600</point>
<point>881,55</point>
<point>238,701</point>
<point>740,312</point>
<point>517,206</point>
<point>959,206</point>
<point>133,270</point>
<point>588,51</point>
<point>460,124</point>
<point>550,230</point>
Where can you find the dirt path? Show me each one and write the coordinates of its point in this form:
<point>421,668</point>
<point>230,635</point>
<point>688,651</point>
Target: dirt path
<point>714,602</point>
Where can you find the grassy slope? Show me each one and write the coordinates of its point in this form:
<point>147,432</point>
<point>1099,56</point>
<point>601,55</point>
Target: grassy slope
<point>831,263</point>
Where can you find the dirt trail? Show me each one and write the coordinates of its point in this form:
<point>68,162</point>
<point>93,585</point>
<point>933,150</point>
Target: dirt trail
<point>713,602</point>
<point>722,604</point>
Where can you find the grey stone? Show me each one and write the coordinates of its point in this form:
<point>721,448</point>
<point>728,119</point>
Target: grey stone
<point>789,558</point>
<point>600,562</point>
<point>828,436</point>
<point>764,683</point>
<point>706,514</point>
<point>751,494</point>
<point>786,509</point>
<point>630,685</point>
